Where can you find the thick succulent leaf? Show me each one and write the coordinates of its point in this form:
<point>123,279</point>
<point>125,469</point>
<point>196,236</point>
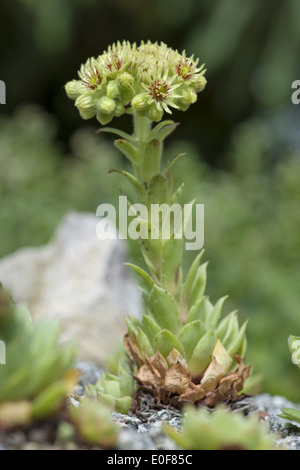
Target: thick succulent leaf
<point>152,156</point>
<point>190,335</point>
<point>232,329</point>
<point>235,345</point>
<point>143,274</point>
<point>163,130</point>
<point>294,347</point>
<point>50,400</point>
<point>143,344</point>
<point>200,311</point>
<point>139,188</point>
<point>176,196</point>
<point>132,324</point>
<point>150,327</point>
<point>164,309</point>
<point>202,354</point>
<point>157,189</point>
<point>222,327</point>
<point>165,341</point>
<point>213,317</point>
<point>199,285</point>
<point>190,279</point>
<point>171,163</point>
<point>290,414</point>
<point>171,266</point>
<point>117,132</point>
<point>129,150</point>
<point>111,387</point>
<point>125,382</point>
<point>123,404</point>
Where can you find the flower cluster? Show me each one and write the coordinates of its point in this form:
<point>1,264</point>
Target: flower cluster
<point>148,79</point>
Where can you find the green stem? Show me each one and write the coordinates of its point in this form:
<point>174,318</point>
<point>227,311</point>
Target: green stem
<point>150,150</point>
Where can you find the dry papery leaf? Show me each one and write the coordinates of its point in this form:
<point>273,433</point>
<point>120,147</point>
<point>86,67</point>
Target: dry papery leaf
<point>163,380</point>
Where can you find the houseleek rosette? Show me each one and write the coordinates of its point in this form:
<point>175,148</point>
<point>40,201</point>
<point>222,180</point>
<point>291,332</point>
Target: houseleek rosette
<point>181,349</point>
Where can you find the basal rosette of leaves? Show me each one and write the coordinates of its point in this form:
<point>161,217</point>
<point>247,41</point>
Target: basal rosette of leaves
<point>181,350</point>
<point>293,414</point>
<point>38,374</point>
<point>221,430</point>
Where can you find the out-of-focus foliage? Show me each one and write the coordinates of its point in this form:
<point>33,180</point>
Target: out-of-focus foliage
<point>221,430</point>
<point>38,186</point>
<point>38,374</point>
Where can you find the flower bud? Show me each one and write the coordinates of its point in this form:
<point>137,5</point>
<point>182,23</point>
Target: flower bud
<point>119,109</point>
<point>140,101</point>
<point>188,96</point>
<point>112,89</point>
<point>155,114</point>
<point>74,89</point>
<point>106,105</point>
<point>104,118</point>
<point>86,106</point>
<point>200,83</point>
<point>125,80</point>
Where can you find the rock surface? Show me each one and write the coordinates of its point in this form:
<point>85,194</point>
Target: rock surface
<point>79,279</point>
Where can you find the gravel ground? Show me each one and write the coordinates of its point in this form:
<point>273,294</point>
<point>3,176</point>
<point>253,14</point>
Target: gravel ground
<point>145,432</point>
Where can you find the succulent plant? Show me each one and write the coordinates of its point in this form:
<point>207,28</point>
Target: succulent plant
<point>294,347</point>
<point>38,374</point>
<point>221,429</point>
<point>181,350</point>
<point>93,423</point>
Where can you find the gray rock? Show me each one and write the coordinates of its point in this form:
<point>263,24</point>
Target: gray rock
<point>79,279</point>
<point>132,440</point>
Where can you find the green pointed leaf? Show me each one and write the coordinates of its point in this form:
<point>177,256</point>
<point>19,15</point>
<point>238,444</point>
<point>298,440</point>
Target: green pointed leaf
<point>145,276</point>
<point>143,344</point>
<point>202,354</point>
<point>176,197</point>
<point>165,341</point>
<point>290,414</point>
<point>150,327</point>
<point>198,286</point>
<point>125,382</point>
<point>172,258</point>
<point>190,279</point>
<point>232,330</point>
<point>164,309</point>
<point>157,189</point>
<point>123,405</point>
<point>200,311</point>
<point>129,150</point>
<point>111,387</point>
<point>235,345</point>
<point>212,319</point>
<point>166,131</point>
<point>152,157</point>
<point>112,130</point>
<point>132,324</point>
<point>190,335</point>
<point>139,188</point>
<point>223,326</point>
<point>171,163</point>
<point>160,126</point>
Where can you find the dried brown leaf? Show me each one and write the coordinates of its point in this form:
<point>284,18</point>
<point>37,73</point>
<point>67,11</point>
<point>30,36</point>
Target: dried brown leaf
<point>133,350</point>
<point>193,394</point>
<point>177,379</point>
<point>175,357</point>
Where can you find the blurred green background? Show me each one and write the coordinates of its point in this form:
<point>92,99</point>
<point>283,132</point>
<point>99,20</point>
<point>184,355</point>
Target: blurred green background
<point>241,137</point>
